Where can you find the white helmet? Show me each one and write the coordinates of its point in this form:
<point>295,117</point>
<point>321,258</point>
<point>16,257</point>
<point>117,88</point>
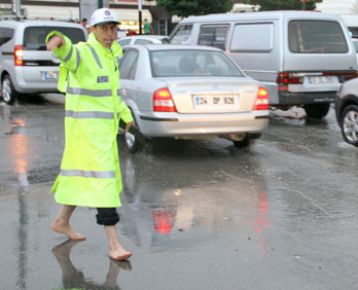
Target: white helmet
<point>103,15</point>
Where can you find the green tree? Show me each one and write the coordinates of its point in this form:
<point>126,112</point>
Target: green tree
<point>284,4</point>
<point>184,8</point>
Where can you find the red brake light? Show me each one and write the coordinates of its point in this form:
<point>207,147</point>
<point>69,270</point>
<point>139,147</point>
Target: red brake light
<point>262,99</point>
<point>284,79</point>
<point>18,55</point>
<point>163,101</point>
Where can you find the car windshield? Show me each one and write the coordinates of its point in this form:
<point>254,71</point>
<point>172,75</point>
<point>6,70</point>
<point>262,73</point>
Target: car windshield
<point>181,34</point>
<point>186,62</point>
<point>34,37</point>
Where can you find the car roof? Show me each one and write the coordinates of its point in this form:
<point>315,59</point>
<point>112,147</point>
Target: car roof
<point>26,23</point>
<point>153,47</point>
<point>146,36</point>
<point>157,38</point>
<point>259,15</point>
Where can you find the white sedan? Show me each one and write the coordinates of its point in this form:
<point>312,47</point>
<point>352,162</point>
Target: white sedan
<point>143,39</point>
<point>190,92</point>
<point>346,108</point>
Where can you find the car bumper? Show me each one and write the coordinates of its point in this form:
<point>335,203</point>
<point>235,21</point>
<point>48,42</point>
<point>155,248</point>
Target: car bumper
<point>191,125</point>
<point>306,98</point>
<point>30,80</point>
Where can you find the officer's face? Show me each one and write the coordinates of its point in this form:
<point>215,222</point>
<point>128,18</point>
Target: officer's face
<point>106,33</point>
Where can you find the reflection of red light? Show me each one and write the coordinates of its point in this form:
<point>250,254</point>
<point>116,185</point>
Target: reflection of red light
<point>21,166</point>
<point>163,220</point>
<point>261,221</point>
<point>19,150</point>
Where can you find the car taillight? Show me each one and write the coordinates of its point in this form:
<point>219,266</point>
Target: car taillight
<point>262,100</point>
<point>163,101</point>
<point>18,55</point>
<point>284,79</point>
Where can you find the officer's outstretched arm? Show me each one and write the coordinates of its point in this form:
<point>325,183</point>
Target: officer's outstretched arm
<point>63,48</point>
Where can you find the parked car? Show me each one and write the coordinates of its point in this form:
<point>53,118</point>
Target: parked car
<point>190,92</point>
<point>143,39</point>
<point>346,108</point>
<point>26,67</point>
<point>300,57</point>
<point>355,43</point>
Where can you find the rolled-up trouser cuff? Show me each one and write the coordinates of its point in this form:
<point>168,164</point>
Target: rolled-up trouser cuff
<point>107,216</point>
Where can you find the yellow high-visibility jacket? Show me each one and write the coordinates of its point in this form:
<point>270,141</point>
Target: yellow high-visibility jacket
<point>90,172</point>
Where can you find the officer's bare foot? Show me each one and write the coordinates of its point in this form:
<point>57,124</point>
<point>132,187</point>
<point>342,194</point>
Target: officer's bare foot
<point>64,228</point>
<point>119,254</point>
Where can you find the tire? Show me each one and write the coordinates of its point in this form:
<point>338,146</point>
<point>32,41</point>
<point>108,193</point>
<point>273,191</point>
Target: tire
<point>318,111</point>
<point>244,143</point>
<point>8,91</point>
<point>349,125</point>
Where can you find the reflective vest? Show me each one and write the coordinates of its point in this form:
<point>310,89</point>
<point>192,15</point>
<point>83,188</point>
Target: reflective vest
<point>90,172</point>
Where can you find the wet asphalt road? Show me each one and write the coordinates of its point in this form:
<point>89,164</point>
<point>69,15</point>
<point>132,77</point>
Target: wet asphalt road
<point>282,214</point>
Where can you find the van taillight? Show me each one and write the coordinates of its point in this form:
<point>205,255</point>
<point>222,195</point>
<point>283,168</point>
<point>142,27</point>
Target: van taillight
<point>163,101</point>
<point>284,79</point>
<point>262,99</point>
<point>18,55</point>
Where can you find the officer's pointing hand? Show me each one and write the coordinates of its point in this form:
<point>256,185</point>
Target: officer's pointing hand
<point>54,42</point>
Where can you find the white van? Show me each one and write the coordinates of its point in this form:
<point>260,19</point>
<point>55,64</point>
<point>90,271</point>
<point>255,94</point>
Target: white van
<point>26,67</point>
<point>300,57</point>
<point>351,21</point>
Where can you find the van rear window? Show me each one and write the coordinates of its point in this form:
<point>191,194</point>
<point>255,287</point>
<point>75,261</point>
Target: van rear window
<point>315,36</point>
<point>34,37</point>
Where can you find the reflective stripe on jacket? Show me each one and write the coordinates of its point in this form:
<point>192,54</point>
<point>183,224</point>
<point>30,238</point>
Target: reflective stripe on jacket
<point>90,172</point>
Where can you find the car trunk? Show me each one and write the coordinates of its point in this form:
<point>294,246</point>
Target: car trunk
<point>212,95</point>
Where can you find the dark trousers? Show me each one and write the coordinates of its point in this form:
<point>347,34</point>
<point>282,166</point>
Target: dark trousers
<point>107,216</point>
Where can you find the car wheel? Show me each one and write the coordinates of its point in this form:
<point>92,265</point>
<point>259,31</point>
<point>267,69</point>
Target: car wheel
<point>318,111</point>
<point>7,90</point>
<point>245,142</point>
<point>134,140</point>
<point>349,124</point>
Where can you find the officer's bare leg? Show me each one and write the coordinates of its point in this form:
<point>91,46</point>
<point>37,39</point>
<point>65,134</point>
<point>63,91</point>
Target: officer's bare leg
<point>116,250</point>
<point>61,224</point>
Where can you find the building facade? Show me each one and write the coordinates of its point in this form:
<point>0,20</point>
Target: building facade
<point>127,11</point>
<point>338,6</point>
<point>69,10</point>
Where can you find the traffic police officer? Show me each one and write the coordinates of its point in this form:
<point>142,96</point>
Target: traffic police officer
<point>90,172</point>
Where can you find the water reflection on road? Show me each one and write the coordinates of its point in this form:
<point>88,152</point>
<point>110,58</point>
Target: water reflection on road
<point>170,205</point>
<point>73,278</point>
<point>278,212</point>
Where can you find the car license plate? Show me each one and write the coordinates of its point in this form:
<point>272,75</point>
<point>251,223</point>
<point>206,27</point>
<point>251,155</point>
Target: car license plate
<point>322,79</point>
<point>215,102</point>
<point>49,75</point>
